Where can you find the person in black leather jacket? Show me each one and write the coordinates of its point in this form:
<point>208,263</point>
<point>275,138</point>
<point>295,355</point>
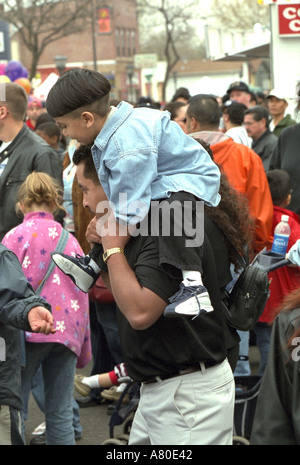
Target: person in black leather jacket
<point>21,152</point>
<point>20,308</point>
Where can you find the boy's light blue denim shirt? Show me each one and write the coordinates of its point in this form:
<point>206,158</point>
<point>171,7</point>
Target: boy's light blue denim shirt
<point>141,153</point>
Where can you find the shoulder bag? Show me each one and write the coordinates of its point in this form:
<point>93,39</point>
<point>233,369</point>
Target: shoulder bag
<point>248,297</point>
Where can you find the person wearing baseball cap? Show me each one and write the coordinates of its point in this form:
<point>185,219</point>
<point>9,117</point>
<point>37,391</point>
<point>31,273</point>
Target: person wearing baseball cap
<point>277,105</point>
<point>239,92</point>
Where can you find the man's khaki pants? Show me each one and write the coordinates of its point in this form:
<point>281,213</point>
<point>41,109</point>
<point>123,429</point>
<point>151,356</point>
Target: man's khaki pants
<point>192,409</point>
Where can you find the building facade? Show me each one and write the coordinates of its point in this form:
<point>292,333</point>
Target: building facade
<point>108,43</point>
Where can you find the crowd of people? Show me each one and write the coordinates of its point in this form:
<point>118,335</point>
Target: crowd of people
<point>87,188</point>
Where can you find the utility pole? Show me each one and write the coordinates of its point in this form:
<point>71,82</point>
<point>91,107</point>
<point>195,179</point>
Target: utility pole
<point>94,42</point>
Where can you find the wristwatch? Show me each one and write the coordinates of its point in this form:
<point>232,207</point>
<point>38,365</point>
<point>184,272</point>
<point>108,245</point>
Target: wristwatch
<point>110,252</point>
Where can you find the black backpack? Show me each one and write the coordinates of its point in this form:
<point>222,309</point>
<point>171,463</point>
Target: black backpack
<point>248,297</point>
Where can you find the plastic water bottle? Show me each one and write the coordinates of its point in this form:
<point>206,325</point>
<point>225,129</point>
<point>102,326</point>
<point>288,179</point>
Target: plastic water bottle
<point>281,236</point>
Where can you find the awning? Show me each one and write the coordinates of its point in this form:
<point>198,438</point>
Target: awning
<point>261,51</point>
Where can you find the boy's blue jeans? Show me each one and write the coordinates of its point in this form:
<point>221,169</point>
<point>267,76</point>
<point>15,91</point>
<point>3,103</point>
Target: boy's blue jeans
<point>58,365</point>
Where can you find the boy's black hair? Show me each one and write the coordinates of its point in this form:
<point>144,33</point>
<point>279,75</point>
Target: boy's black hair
<point>182,92</point>
<point>79,88</point>
<point>280,185</point>
<point>84,155</point>
<point>44,118</point>
<point>235,111</point>
<point>50,128</point>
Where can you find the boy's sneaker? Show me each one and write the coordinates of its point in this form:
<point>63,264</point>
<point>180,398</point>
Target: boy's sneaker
<point>80,387</point>
<point>114,394</point>
<point>77,268</point>
<point>189,301</point>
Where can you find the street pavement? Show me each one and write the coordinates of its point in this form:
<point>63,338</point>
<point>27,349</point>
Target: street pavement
<point>95,420</point>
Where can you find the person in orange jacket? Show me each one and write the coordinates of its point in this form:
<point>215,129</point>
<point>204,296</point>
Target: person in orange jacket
<point>245,172</point>
<point>241,164</point>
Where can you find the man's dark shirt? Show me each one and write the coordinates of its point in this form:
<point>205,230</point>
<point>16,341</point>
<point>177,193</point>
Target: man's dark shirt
<point>171,344</point>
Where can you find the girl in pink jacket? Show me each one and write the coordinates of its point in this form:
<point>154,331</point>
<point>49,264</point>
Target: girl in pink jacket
<point>60,353</point>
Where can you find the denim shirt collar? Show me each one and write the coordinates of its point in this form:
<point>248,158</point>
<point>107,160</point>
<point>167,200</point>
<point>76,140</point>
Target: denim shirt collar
<point>124,109</point>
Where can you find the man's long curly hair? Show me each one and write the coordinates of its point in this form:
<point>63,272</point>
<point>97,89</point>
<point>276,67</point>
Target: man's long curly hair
<point>232,217</point>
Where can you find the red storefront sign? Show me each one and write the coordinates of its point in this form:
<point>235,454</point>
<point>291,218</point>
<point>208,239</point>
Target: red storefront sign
<point>289,19</point>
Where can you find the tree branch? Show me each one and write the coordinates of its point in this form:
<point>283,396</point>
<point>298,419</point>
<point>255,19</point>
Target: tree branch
<point>41,22</point>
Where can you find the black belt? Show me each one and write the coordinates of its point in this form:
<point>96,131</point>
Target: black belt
<point>185,371</point>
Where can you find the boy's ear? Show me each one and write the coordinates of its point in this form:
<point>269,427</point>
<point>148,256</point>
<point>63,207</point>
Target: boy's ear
<point>88,118</point>
<point>225,117</point>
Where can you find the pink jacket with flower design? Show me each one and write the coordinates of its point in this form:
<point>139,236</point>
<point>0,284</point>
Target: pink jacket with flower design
<point>32,242</point>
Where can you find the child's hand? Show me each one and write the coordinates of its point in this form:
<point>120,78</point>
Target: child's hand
<point>41,320</point>
<point>91,234</point>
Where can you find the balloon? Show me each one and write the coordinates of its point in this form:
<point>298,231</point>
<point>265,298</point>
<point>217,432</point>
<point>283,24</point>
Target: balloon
<point>4,79</point>
<point>14,70</point>
<point>24,72</point>
<point>25,83</point>
<point>2,68</point>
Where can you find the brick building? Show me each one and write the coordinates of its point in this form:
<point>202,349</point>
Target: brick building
<point>108,44</point>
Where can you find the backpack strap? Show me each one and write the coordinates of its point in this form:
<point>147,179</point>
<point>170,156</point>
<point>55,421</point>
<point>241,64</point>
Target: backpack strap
<point>62,242</point>
<point>242,259</point>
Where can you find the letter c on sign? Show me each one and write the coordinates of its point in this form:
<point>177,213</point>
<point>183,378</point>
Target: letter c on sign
<point>289,13</point>
<point>295,25</point>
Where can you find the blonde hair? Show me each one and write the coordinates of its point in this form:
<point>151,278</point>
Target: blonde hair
<point>41,189</point>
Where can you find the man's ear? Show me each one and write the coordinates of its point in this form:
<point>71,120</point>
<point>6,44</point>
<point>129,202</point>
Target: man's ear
<point>3,112</point>
<point>88,118</point>
<point>194,123</point>
<point>288,200</point>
